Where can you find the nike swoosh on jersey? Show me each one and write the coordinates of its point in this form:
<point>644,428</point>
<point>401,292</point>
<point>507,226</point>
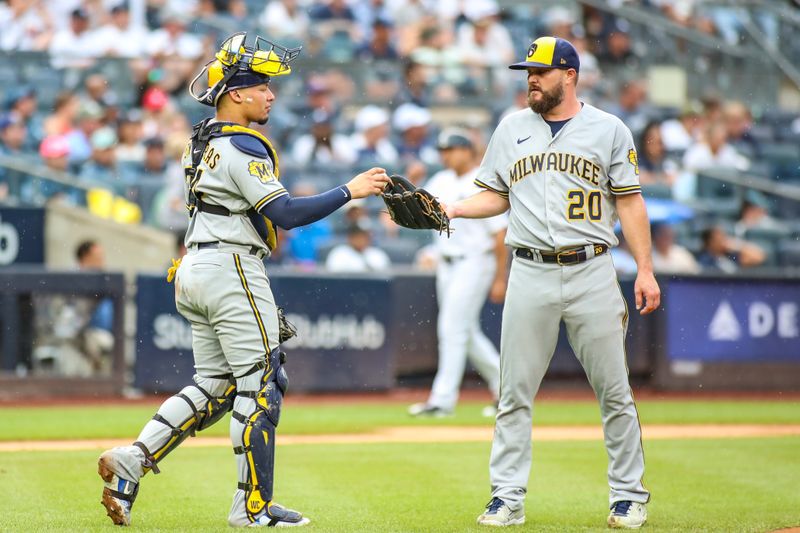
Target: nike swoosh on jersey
<point>520,141</point>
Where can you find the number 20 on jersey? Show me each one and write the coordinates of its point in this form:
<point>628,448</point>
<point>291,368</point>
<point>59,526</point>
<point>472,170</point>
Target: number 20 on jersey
<point>581,205</point>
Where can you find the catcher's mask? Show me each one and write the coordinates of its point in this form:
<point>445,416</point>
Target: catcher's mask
<point>237,65</point>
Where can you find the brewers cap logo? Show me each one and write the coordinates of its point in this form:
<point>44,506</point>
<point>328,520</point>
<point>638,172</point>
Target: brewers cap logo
<point>532,50</point>
<point>634,160</point>
<point>260,170</point>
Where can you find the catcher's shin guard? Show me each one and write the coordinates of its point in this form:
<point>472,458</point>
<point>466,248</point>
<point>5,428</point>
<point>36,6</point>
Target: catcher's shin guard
<point>193,409</point>
<point>255,416</point>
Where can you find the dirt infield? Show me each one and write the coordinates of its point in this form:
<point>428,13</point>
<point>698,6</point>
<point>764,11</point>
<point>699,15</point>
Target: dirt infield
<point>428,434</point>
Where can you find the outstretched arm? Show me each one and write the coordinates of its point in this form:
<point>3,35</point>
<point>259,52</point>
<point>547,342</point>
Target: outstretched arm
<point>287,212</point>
<point>482,205</point>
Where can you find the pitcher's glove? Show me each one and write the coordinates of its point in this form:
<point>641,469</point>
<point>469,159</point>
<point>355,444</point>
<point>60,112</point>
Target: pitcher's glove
<point>413,207</point>
<point>286,329</point>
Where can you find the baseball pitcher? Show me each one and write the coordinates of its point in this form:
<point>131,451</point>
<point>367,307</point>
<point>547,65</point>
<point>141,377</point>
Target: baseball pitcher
<point>235,200</point>
<point>568,172</point>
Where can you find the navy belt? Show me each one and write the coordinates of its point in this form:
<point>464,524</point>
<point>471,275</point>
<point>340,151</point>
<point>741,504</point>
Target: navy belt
<point>572,256</point>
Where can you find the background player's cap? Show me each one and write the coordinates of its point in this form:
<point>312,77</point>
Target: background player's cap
<point>453,138</point>
<point>551,52</point>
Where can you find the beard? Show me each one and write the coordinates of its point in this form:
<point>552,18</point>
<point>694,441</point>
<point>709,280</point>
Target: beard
<point>549,100</point>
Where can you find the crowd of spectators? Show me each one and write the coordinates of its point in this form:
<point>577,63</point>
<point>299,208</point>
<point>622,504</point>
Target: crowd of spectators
<point>424,58</point>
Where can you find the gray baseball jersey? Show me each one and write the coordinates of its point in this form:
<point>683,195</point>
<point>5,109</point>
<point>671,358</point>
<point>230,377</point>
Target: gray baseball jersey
<point>237,181</point>
<point>560,188</point>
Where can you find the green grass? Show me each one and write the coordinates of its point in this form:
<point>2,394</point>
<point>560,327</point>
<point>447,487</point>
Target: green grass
<point>125,421</point>
<point>697,485</point>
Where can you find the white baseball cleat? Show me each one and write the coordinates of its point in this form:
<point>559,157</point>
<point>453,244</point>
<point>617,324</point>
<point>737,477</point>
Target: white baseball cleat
<point>279,516</point>
<point>498,514</point>
<point>627,515</point>
<point>427,410</point>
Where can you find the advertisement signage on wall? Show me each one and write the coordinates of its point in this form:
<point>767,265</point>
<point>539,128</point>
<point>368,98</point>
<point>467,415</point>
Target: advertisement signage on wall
<point>733,320</point>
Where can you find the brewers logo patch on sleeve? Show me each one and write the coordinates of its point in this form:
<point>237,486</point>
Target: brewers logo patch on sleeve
<point>634,160</point>
<point>260,170</point>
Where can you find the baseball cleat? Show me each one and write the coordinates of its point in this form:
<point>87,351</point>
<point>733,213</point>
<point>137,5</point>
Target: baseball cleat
<point>498,514</point>
<point>490,411</point>
<point>118,494</point>
<point>424,409</point>
<point>627,515</point>
<point>279,516</point>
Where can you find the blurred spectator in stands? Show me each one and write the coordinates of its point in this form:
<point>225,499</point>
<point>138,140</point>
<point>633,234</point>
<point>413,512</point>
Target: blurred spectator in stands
<point>655,168</point>
<point>283,19</point>
<point>411,122</point>
<point>154,164</point>
<point>618,48</point>
<point>484,41</point>
<point>590,66</point>
<point>369,11</point>
<point>101,169</point>
<point>88,120</point>
<point>357,254</point>
<point>712,106</point>
<point>319,95</point>
<point>119,37</point>
<point>740,122</point>
<point>668,256</point>
<point>415,87</point>
<point>520,99</point>
<point>12,135</point>
<point>168,209</point>
<point>75,45</point>
<point>97,89</point>
<point>440,67</point>
<point>55,153</point>
<point>724,253</point>
<point>62,120</point>
<point>323,145</point>
<point>176,50</point>
<point>685,13</point>
<point>714,151</point>
<point>155,107</point>
<point>305,242</point>
<point>22,103</point>
<point>130,148</point>
<point>631,106</point>
<point>26,25</point>
<point>371,138</point>
<point>754,215</point>
<point>680,133</point>
<point>334,17</point>
<point>559,21</point>
<point>379,45</point>
<point>355,212</point>
<point>12,139</point>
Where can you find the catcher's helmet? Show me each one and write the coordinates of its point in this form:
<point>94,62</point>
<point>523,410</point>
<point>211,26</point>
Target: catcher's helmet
<point>236,66</point>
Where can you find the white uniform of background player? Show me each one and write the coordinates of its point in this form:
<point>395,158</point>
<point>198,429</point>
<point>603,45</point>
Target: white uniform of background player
<point>470,263</point>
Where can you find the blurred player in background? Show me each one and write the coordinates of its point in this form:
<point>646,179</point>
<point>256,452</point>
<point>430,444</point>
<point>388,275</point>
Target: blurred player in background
<point>471,266</point>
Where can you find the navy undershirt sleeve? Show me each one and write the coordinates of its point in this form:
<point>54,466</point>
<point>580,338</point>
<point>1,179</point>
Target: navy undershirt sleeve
<point>287,212</point>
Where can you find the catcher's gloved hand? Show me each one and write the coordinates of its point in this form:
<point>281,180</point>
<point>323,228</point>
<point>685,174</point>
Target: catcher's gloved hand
<point>413,207</point>
<point>286,329</point>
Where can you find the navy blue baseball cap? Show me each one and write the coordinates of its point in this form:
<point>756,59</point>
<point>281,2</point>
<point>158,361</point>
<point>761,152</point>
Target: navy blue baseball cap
<point>550,52</point>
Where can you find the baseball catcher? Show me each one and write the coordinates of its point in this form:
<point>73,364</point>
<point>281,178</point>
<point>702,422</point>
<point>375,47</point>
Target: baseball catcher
<point>414,207</point>
<point>235,201</point>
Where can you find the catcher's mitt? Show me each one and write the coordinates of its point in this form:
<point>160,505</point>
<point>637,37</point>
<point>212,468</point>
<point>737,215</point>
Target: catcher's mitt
<point>413,207</point>
<point>286,329</point>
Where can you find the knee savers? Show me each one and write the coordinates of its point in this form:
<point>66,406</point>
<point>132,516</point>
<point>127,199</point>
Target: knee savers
<point>193,409</point>
<point>258,435</point>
